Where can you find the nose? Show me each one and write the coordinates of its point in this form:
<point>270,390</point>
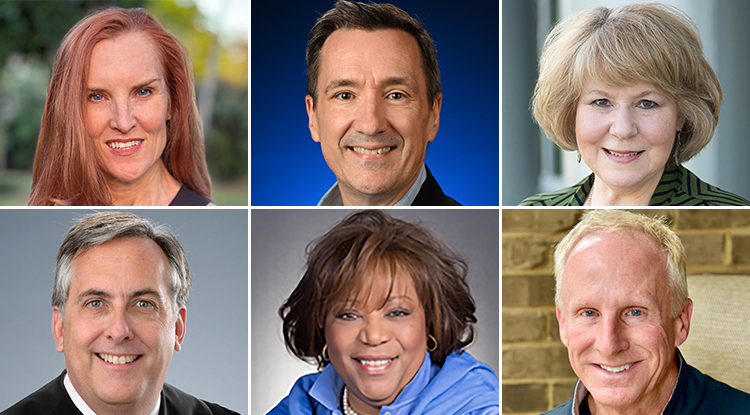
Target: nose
<point>370,118</point>
<point>118,329</point>
<point>611,337</point>
<point>374,332</point>
<point>623,123</point>
<point>122,118</point>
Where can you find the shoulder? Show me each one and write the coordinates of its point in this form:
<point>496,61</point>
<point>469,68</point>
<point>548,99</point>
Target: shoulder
<point>689,190</point>
<point>177,401</point>
<point>463,385</point>
<point>298,401</point>
<point>431,194</point>
<point>49,399</point>
<point>720,398</point>
<point>570,196</point>
<point>188,197</point>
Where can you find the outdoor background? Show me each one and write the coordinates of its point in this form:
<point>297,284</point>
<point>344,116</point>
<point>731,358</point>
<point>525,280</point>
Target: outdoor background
<point>536,371</point>
<point>533,164</point>
<point>214,32</point>
<point>212,364</point>
<point>288,168</point>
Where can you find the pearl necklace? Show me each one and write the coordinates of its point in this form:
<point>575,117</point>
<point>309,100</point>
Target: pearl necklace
<point>348,409</point>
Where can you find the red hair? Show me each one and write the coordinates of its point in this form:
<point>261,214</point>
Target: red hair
<point>66,168</point>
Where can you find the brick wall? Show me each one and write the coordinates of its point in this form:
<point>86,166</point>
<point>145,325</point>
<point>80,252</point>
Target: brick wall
<point>536,374</point>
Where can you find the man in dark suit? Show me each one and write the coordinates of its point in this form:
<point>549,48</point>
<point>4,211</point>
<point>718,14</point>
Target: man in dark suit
<point>373,101</point>
<point>119,308</point>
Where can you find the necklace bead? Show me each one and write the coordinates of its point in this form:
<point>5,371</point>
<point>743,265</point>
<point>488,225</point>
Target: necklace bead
<point>348,409</point>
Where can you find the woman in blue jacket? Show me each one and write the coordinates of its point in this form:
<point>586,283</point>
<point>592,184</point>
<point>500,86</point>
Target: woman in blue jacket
<point>384,310</point>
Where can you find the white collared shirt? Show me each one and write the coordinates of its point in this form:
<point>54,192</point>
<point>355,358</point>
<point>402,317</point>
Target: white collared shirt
<point>84,408</point>
<point>333,195</point>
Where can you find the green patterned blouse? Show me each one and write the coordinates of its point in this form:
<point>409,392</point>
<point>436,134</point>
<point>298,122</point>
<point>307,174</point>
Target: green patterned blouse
<point>678,187</point>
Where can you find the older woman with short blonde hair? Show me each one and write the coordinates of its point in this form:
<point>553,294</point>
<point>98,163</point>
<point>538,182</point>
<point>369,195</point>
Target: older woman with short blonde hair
<point>630,89</point>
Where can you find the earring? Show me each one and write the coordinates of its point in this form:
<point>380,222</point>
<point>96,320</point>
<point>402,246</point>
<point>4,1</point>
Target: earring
<point>579,156</point>
<point>435,343</point>
<point>677,148</point>
<point>325,353</point>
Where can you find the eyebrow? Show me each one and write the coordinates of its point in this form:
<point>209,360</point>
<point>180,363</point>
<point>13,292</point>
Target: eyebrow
<point>643,94</point>
<point>93,292</point>
<point>394,80</point>
<point>139,85</point>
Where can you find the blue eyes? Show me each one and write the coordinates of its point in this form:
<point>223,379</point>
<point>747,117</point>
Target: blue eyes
<point>95,304</point>
<point>97,97</point>
<point>592,313</point>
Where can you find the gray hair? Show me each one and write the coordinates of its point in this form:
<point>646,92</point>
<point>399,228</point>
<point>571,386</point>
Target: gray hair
<point>99,228</point>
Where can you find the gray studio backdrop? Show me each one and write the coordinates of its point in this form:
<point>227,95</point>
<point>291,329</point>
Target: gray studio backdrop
<point>213,362</point>
<point>277,263</point>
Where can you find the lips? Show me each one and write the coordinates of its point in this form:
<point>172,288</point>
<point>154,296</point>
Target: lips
<point>616,369</point>
<point>374,365</point>
<point>118,359</point>
<point>623,154</point>
<point>362,150</point>
<point>125,147</point>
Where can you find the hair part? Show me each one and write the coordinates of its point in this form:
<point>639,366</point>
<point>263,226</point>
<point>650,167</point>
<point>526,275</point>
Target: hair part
<point>609,222</point>
<point>103,227</point>
<point>651,43</point>
<point>342,264</point>
<point>349,15</point>
<point>67,169</point>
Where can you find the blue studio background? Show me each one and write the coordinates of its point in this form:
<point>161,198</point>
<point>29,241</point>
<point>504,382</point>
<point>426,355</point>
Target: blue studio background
<point>287,166</point>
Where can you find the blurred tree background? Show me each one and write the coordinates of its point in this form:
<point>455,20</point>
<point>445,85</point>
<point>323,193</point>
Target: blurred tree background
<point>214,32</point>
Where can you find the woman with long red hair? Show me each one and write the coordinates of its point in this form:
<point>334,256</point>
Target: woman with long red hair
<point>121,124</point>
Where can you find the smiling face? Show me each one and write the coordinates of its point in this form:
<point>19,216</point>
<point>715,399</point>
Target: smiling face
<point>616,322</point>
<point>375,348</point>
<point>372,116</point>
<point>625,134</point>
<point>126,107</point>
<point>119,330</point>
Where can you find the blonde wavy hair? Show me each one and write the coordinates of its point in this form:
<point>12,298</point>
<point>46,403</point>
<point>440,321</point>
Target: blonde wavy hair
<point>623,46</point>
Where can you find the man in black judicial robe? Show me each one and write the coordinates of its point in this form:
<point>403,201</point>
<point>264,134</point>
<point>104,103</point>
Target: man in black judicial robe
<point>52,398</point>
<point>118,314</point>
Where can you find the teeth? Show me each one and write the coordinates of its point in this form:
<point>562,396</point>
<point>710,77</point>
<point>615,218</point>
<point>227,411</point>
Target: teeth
<point>374,362</point>
<point>623,154</point>
<point>616,369</point>
<point>377,151</point>
<point>118,360</point>
<point>126,145</point>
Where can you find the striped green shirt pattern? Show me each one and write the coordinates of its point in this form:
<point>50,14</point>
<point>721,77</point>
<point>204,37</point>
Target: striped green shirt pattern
<point>678,187</point>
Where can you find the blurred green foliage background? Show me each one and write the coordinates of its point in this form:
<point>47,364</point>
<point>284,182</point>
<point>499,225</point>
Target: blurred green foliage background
<point>212,30</point>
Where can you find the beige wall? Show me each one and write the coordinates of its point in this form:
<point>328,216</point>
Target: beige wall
<point>536,374</point>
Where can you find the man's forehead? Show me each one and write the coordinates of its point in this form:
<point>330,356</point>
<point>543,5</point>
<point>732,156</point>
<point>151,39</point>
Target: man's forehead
<point>349,49</point>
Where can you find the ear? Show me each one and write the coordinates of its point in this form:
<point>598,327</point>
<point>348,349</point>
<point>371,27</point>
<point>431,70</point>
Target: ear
<point>435,115</point>
<point>313,123</point>
<point>682,323</point>
<point>57,328</point>
<point>179,329</point>
<point>561,325</point>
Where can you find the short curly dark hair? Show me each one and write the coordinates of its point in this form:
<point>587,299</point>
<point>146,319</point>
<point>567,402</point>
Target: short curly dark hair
<point>338,265</point>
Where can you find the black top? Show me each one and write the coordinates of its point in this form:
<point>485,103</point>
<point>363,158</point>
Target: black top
<point>52,398</point>
<point>694,394</point>
<point>187,197</point>
<point>430,194</point>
